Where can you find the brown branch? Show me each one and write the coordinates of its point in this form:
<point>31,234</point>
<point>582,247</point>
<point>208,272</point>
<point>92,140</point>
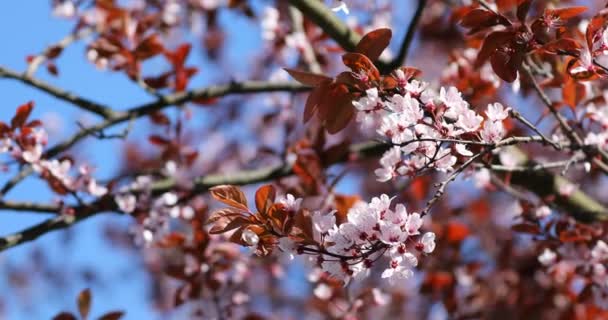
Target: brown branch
<point>161,103</point>
<point>568,130</point>
<point>69,97</point>
<point>107,204</point>
<point>401,56</point>
<point>578,204</point>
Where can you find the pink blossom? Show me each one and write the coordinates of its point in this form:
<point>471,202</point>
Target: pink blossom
<point>496,112</point>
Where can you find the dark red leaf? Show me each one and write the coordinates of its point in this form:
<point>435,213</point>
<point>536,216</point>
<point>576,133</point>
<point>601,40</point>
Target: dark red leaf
<point>373,43</point>
<point>158,140</point>
<point>148,48</point>
<point>361,64</point>
<point>525,227</point>
<point>563,46</point>
<point>313,101</point>
<point>491,43</point>
<point>503,66</point>
<point>522,9</point>
<point>479,19</point>
<point>52,68</point>
<point>178,57</point>
<point>308,78</point>
<point>64,316</point>
<point>113,315</point>
<point>566,13</point>
<point>23,112</point>
<point>84,303</point>
<point>230,195</point>
<point>264,198</point>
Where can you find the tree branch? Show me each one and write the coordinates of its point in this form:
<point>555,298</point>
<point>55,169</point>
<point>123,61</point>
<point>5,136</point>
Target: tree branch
<point>85,104</point>
<point>401,56</point>
<point>161,103</point>
<point>579,205</point>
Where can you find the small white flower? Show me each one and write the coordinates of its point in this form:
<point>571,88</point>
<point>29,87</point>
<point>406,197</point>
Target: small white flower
<point>323,291</point>
<point>428,242</point>
<point>547,258</point>
<point>323,222</point>
<point>96,190</point>
<point>169,199</point>
<point>290,202</point>
<point>600,251</point>
<point>33,154</point>
<point>542,212</point>
<point>126,202</point>
<point>462,149</point>
<point>340,5</point>
<point>496,112</point>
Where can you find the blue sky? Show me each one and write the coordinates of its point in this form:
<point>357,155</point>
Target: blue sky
<point>27,29</point>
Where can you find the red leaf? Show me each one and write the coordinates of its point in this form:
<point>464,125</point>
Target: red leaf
<point>308,78</point>
<point>566,13</point>
<point>113,315</point>
<point>504,65</point>
<point>313,101</point>
<point>563,45</point>
<point>64,316</point>
<point>230,195</point>
<point>84,303</point>
<point>573,92</point>
<point>148,48</point>
<point>526,228</point>
<point>456,232</point>
<point>595,25</point>
<point>52,68</point>
<point>479,19</point>
<point>361,64</point>
<point>264,198</point>
<point>172,240</point>
<point>522,9</point>
<point>373,44</point>
<point>23,112</point>
<point>158,140</point>
<point>159,118</point>
<point>492,42</point>
<point>178,57</point>
<point>336,108</point>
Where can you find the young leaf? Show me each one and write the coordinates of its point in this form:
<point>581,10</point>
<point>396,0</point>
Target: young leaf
<point>492,42</point>
<point>308,78</point>
<point>361,64</point>
<point>230,195</point>
<point>479,19</point>
<point>566,13</point>
<point>148,48</point>
<point>264,198</point>
<point>373,44</point>
<point>522,9</point>
<point>84,303</point>
<point>64,316</point>
<point>23,112</point>
<point>113,315</point>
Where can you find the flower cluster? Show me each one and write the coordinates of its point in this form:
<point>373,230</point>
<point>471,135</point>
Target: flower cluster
<point>419,122</point>
<point>372,230</point>
<point>138,196</point>
<point>570,260</point>
<point>27,144</point>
